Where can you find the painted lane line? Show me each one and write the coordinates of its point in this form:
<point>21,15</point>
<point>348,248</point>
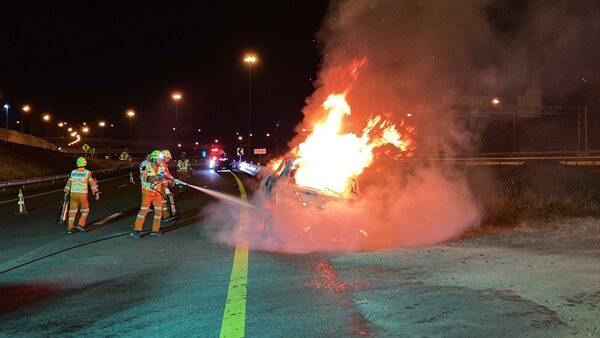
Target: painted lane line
<point>108,218</point>
<point>122,185</point>
<point>234,316</point>
<point>28,197</point>
<point>57,190</point>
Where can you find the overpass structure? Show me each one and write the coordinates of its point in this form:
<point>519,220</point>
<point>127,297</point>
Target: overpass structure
<point>14,136</point>
<point>114,147</point>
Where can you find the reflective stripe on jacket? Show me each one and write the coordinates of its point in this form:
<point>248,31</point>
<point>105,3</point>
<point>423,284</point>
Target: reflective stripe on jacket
<point>143,165</point>
<point>79,180</point>
<point>183,165</point>
<point>149,172</point>
<point>164,167</point>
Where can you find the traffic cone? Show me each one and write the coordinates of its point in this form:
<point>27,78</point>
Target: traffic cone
<point>21,203</point>
<point>131,178</point>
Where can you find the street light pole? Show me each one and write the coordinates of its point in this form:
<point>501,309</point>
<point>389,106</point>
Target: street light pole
<point>6,106</point>
<point>102,124</point>
<point>130,115</point>
<point>250,60</point>
<point>25,109</point>
<point>46,119</point>
<point>176,96</point>
<point>249,110</point>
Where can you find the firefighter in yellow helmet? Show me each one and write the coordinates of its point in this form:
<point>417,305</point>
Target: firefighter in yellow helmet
<point>153,183</point>
<point>183,169</point>
<point>77,187</point>
<point>164,163</point>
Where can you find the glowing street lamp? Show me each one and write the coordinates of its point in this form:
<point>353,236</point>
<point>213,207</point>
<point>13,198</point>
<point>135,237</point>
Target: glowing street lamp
<point>176,97</point>
<point>6,106</point>
<point>130,115</point>
<point>250,59</point>
<point>85,129</point>
<point>25,109</point>
<point>46,118</point>
<point>495,101</point>
<point>101,124</point>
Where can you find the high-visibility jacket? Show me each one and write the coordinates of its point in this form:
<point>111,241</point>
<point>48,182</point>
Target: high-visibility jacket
<point>79,180</point>
<point>152,171</point>
<point>143,165</point>
<point>183,165</point>
<point>164,166</point>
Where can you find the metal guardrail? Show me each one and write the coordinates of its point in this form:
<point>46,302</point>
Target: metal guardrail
<point>568,160</point>
<point>13,183</point>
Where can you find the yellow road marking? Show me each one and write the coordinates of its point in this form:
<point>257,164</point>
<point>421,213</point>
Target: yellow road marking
<point>234,316</point>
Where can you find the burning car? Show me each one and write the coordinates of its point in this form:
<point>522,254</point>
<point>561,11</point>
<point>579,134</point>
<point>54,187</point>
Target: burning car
<point>314,189</point>
<point>284,194</point>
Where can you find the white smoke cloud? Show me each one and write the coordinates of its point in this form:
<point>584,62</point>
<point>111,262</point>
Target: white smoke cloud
<point>418,52</point>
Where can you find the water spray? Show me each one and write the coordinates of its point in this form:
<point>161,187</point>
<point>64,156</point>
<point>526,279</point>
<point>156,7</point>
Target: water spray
<point>221,196</point>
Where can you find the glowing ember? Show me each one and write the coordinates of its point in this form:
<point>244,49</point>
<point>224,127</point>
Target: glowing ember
<point>329,159</point>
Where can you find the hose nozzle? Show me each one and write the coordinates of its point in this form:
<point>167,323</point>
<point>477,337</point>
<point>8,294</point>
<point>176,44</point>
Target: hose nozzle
<point>179,182</point>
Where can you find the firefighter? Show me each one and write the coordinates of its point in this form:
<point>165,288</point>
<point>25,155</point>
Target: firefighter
<point>77,187</point>
<point>144,163</point>
<point>169,202</point>
<point>183,168</point>
<point>153,183</point>
<point>164,163</point>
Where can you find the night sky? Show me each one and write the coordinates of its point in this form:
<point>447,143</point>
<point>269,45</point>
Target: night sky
<point>88,62</point>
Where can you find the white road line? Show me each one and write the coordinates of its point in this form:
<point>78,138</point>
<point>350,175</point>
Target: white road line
<point>108,218</point>
<point>122,185</point>
<point>53,191</point>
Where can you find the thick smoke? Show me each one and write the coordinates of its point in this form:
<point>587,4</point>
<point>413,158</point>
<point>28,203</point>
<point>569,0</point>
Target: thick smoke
<point>422,51</point>
<point>418,53</point>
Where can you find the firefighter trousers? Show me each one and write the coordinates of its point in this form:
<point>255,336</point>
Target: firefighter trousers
<point>79,202</point>
<point>149,198</point>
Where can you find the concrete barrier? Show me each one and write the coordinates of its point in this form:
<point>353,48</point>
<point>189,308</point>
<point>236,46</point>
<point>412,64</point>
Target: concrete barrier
<point>25,139</point>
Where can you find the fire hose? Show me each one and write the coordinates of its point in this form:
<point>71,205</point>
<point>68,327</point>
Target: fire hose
<point>168,201</point>
<point>176,181</point>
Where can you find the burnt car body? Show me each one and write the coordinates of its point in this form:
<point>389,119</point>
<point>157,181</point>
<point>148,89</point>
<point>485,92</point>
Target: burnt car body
<point>282,193</point>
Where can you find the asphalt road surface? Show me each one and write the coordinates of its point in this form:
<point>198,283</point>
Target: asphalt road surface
<point>105,283</point>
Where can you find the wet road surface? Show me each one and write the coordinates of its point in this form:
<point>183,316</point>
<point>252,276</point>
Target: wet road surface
<point>104,283</point>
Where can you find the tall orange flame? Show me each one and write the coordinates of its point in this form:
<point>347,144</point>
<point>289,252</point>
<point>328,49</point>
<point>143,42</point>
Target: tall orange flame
<point>329,160</point>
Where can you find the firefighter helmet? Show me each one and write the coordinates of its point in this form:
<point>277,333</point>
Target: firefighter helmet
<point>167,154</point>
<point>155,155</point>
<point>81,162</point>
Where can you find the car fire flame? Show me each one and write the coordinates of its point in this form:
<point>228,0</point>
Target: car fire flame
<point>330,158</point>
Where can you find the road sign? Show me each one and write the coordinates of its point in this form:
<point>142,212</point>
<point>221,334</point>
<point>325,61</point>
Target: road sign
<point>260,151</point>
<point>240,151</point>
<point>124,156</point>
<point>85,147</point>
